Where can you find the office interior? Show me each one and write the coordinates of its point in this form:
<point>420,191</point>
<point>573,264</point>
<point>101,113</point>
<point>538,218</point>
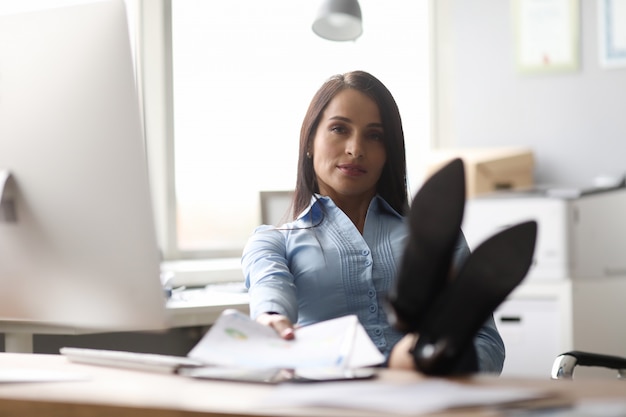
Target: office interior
<point>571,121</point>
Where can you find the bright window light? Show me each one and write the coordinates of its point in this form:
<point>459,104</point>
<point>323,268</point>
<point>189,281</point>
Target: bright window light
<point>243,75</point>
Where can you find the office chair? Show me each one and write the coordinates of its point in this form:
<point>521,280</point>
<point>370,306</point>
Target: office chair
<point>564,364</point>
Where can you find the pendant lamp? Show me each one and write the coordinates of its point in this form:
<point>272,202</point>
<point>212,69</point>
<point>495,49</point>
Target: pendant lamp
<point>339,20</point>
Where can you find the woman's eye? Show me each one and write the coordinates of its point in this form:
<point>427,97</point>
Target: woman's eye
<point>378,136</point>
<point>338,129</point>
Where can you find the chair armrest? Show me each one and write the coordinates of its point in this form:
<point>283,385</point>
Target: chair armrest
<point>564,364</point>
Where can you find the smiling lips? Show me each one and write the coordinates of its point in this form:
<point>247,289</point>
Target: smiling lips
<point>352,169</point>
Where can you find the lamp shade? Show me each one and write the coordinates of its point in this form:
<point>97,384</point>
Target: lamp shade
<point>339,20</point>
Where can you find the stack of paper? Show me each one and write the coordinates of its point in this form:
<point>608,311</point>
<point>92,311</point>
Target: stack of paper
<point>235,340</point>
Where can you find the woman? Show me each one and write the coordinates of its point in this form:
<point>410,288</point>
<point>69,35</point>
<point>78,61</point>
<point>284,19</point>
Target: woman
<point>341,253</point>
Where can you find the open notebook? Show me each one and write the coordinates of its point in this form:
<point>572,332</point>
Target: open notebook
<point>238,348</point>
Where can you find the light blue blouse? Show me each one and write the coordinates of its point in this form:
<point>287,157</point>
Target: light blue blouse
<point>320,267</point>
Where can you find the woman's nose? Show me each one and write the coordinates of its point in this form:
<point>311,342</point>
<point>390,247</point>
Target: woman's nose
<point>354,147</point>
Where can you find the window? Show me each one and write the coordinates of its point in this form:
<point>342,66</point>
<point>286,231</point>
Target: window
<point>242,76</point>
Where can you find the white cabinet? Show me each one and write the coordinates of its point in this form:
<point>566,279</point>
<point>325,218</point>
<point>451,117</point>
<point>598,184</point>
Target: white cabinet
<point>573,296</point>
<point>522,323</point>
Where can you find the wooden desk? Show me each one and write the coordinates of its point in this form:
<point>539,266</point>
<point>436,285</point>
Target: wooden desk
<point>123,393</point>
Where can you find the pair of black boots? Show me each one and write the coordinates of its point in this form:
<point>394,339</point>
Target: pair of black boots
<point>447,307</point>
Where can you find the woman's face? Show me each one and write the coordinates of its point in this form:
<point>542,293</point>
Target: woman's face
<point>348,147</point>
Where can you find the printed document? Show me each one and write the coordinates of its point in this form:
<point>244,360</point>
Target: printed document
<point>235,340</point>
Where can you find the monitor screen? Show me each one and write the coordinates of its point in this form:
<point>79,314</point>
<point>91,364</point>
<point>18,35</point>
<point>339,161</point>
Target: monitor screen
<point>77,240</point>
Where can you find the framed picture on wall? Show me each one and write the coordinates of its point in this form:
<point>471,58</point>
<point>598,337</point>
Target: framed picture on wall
<point>547,35</point>
<point>612,33</point>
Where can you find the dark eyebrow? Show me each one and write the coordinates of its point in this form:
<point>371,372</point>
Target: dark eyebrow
<point>340,118</point>
<point>345,119</point>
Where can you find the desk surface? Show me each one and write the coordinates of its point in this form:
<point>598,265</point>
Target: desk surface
<point>122,393</point>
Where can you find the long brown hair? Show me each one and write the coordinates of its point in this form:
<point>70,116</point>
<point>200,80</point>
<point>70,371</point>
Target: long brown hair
<point>392,184</point>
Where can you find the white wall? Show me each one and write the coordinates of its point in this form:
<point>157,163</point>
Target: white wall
<point>575,122</point>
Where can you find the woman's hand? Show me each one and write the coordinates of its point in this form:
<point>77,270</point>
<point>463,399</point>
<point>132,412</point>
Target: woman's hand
<point>401,357</point>
<point>278,322</point>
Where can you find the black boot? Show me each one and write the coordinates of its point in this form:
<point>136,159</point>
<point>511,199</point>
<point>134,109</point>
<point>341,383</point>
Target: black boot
<point>493,270</point>
<point>435,224</point>
<point>447,311</point>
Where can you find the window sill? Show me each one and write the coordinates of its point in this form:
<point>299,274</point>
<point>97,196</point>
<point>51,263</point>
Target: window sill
<point>198,273</point>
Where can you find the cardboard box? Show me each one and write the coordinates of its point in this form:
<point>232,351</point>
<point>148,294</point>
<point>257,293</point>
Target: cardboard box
<point>489,169</point>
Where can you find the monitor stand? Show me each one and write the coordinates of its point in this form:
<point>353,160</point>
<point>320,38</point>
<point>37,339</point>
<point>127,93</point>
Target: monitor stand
<point>7,203</point>
<point>18,342</point>
<point>13,342</point>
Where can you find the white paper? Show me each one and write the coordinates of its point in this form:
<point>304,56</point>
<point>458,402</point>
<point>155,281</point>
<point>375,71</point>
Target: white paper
<point>547,34</point>
<point>400,398</point>
<point>236,340</point>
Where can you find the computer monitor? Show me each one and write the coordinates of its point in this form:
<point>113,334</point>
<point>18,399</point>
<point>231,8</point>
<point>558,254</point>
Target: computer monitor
<point>78,245</point>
